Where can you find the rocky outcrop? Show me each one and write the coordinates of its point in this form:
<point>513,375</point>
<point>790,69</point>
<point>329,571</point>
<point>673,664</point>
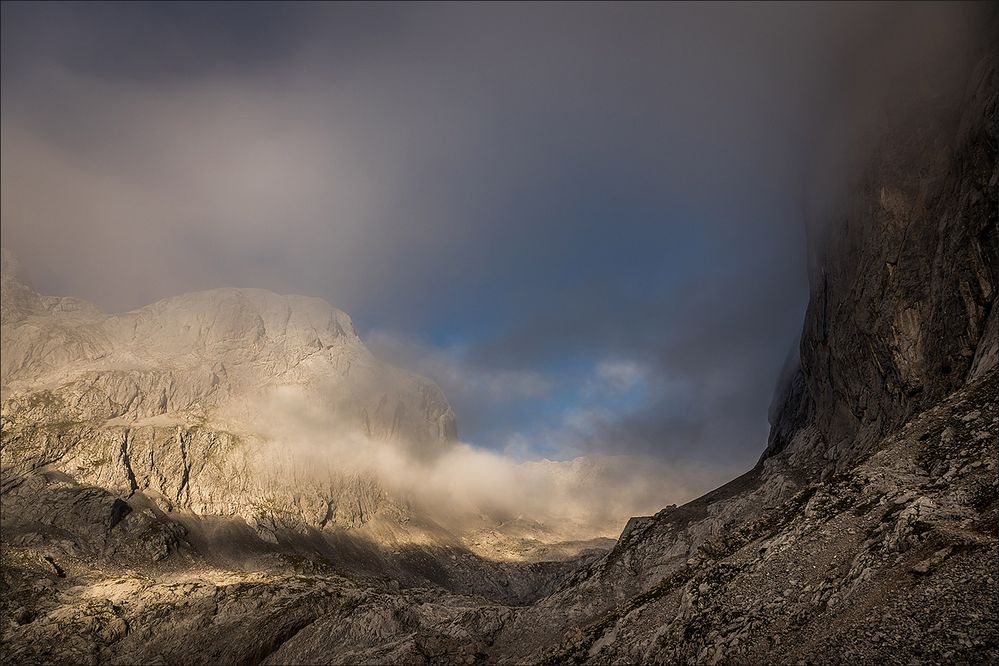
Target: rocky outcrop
<point>239,429</point>
<point>899,334</point>
<point>891,562</point>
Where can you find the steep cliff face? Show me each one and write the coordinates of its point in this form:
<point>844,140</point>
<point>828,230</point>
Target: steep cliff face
<point>903,281</point>
<point>902,314</point>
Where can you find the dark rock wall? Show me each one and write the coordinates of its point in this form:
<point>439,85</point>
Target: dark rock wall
<point>904,280</point>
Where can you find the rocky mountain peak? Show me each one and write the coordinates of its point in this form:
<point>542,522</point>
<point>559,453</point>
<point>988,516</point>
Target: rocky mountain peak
<point>193,356</point>
<point>175,401</point>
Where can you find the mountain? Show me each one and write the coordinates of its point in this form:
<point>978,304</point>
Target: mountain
<point>246,429</point>
<point>166,400</point>
<point>192,355</point>
<point>866,532</point>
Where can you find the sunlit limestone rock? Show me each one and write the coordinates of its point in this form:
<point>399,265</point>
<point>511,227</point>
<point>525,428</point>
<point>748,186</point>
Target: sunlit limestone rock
<point>168,400</point>
<point>268,409</point>
<point>190,355</point>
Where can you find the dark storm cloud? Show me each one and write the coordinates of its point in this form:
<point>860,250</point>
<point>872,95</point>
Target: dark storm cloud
<point>535,186</point>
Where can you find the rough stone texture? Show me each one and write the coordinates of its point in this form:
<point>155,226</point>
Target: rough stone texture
<point>132,440</point>
<point>903,283</point>
<point>891,562</point>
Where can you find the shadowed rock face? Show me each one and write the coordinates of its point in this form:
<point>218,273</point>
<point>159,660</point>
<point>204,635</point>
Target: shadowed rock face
<point>904,280</point>
<point>865,534</point>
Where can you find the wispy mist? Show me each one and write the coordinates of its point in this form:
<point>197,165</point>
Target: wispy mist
<point>460,486</point>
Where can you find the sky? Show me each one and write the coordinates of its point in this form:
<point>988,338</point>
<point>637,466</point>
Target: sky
<point>584,221</point>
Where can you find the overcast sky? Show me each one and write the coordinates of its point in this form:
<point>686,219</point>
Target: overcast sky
<point>584,221</point>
